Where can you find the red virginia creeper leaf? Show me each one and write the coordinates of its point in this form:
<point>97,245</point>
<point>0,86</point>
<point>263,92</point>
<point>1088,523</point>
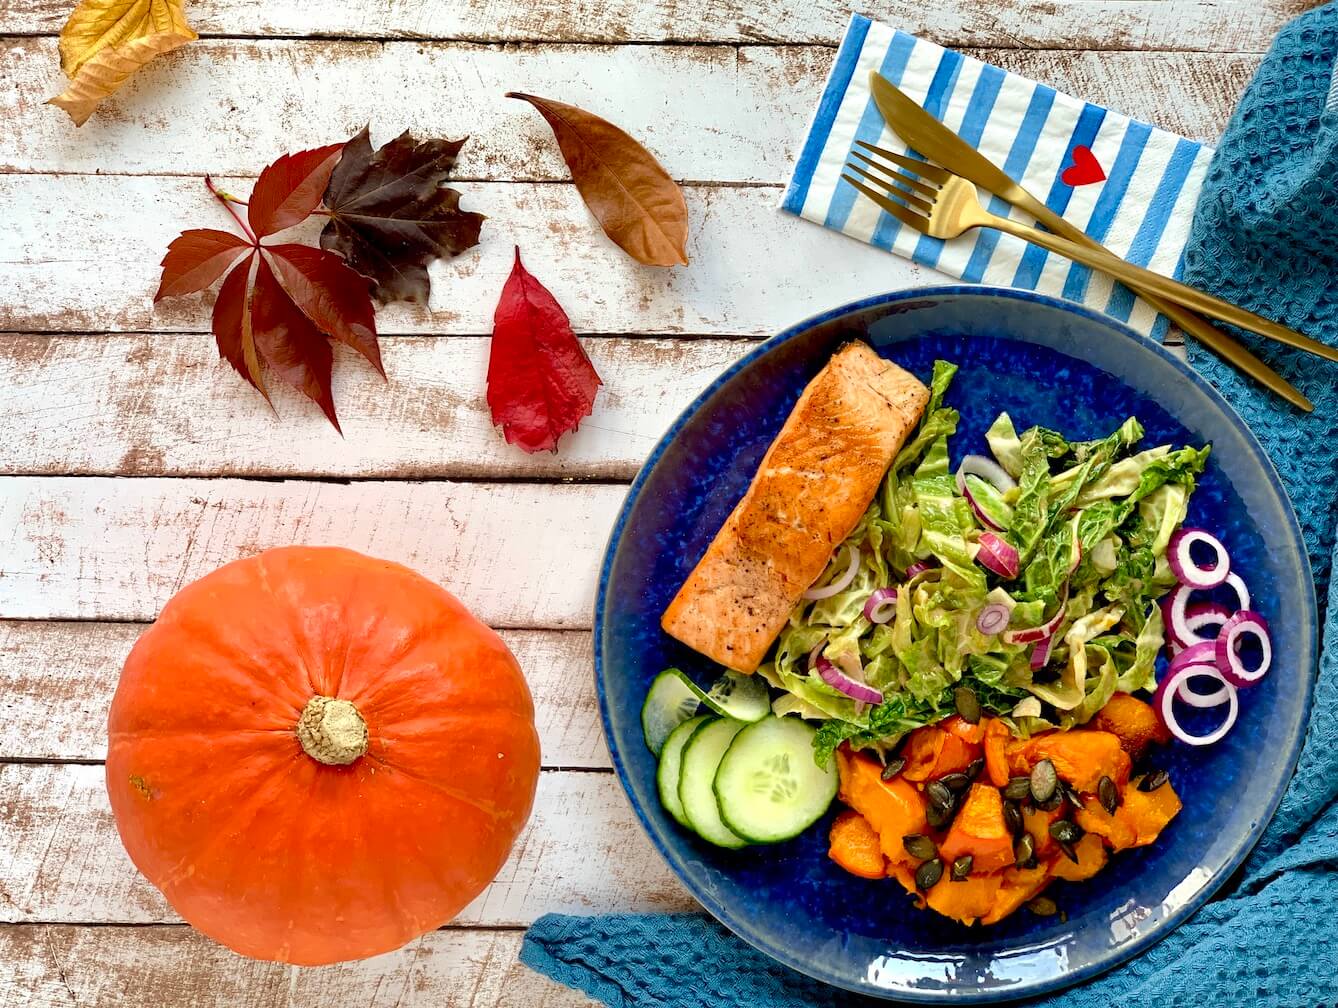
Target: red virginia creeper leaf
<point>289,189</point>
<point>390,216</point>
<point>232,325</point>
<point>329,293</point>
<point>289,343</point>
<point>540,382</point>
<point>196,259</point>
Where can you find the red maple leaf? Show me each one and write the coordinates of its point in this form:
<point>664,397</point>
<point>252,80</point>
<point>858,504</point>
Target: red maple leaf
<point>540,382</point>
<point>280,305</point>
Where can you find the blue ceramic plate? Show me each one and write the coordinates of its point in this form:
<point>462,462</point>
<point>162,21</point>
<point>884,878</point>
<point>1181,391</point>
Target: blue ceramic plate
<point>1046,362</point>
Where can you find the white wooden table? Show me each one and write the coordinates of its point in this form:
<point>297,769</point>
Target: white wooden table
<point>134,461</point>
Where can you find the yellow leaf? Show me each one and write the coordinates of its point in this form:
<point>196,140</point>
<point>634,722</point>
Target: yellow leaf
<point>105,41</point>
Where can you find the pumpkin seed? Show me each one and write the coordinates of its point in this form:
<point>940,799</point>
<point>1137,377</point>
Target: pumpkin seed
<point>1108,794</point>
<point>961,868</point>
<point>938,816</point>
<point>955,781</point>
<point>1043,906</point>
<point>1018,788</point>
<point>1044,782</point>
<point>964,697</point>
<point>928,874</point>
<point>1072,796</point>
<point>1066,832</point>
<point>1024,851</point>
<point>939,794</point>
<point>1153,780</point>
<point>974,768</point>
<point>1055,801</point>
<point>1012,816</point>
<point>894,767</point>
<point>919,846</point>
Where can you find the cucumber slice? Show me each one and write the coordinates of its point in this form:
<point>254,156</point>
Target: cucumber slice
<point>696,780</point>
<point>667,774</point>
<point>738,696</point>
<point>990,501</point>
<point>672,699</point>
<point>768,786</point>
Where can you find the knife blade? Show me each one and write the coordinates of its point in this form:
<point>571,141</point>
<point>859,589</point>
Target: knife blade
<point>927,136</point>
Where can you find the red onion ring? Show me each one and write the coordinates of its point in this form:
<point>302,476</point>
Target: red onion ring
<point>1176,615</point>
<point>993,618</point>
<point>1169,688</point>
<point>881,605</point>
<point>838,680</point>
<point>1203,700</point>
<point>1040,654</point>
<point>1202,653</point>
<point>840,584</point>
<point>997,556</point>
<point>1229,663</point>
<point>1032,635</point>
<point>987,469</point>
<point>979,511</point>
<point>1182,565</point>
<point>919,567</point>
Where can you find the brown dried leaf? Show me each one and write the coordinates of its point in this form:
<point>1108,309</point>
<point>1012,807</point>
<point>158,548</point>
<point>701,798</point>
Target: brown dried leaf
<point>631,195</point>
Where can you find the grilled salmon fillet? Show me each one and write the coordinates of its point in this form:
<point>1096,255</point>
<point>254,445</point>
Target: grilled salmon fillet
<point>812,487</point>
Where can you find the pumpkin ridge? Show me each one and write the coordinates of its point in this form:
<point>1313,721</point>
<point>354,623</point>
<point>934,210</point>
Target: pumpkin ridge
<point>486,808</point>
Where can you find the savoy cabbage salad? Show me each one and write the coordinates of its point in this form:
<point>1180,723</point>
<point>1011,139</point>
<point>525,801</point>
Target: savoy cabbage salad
<point>1031,579</point>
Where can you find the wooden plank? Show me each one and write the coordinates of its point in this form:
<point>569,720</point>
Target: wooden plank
<point>1213,25</point>
<point>58,966</point>
<point>518,554</point>
<point>61,860</point>
<point>81,253</point>
<point>165,405</point>
<point>57,680</point>
<point>711,113</point>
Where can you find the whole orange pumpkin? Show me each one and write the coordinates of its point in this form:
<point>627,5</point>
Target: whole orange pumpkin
<point>318,756</point>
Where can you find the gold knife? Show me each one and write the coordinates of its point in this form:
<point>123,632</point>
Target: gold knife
<point>925,134</point>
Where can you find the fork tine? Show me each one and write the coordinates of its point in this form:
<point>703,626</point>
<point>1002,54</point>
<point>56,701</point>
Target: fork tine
<point>891,188</point>
<point>922,168</point>
<point>904,214</point>
<point>906,180</point>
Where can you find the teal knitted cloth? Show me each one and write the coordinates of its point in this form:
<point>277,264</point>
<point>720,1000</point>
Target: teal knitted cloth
<point>1266,236</point>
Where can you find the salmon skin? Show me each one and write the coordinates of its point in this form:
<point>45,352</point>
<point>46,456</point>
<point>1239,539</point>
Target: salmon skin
<point>813,486</point>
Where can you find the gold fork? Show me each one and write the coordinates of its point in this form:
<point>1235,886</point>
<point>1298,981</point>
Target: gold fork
<point>940,204</point>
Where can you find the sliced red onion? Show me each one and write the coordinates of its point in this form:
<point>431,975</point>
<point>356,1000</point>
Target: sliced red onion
<point>987,469</point>
<point>838,680</point>
<point>1175,610</point>
<point>840,584</point>
<point>1202,700</point>
<point>1229,662</point>
<point>919,567</point>
<point>1040,654</point>
<point>881,606</point>
<point>1182,565</point>
<point>993,618</point>
<point>981,514</point>
<point>997,555</point>
<point>1169,688</point>
<point>1033,635</point>
<point>1206,614</point>
<point>1202,653</point>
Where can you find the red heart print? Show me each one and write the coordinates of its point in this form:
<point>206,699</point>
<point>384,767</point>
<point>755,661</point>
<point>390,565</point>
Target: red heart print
<point>1085,168</point>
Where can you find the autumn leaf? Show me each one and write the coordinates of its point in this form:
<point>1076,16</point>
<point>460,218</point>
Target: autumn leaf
<point>390,215</point>
<point>635,201</point>
<point>280,305</point>
<point>540,382</point>
<point>105,41</point>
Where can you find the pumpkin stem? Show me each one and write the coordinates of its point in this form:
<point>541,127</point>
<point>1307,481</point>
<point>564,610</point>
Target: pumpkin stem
<point>332,731</point>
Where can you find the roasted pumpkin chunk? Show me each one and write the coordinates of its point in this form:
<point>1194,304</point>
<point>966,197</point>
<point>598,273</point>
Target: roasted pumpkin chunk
<point>1132,721</point>
<point>1092,858</point>
<point>932,752</point>
<point>968,900</point>
<point>1080,757</point>
<point>893,808</point>
<point>855,846</point>
<point>1016,887</point>
<point>980,831</point>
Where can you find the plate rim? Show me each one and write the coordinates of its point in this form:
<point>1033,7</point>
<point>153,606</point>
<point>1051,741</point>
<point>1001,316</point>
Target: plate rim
<point>736,923</point>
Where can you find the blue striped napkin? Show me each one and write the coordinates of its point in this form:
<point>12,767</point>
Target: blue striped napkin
<point>1131,186</point>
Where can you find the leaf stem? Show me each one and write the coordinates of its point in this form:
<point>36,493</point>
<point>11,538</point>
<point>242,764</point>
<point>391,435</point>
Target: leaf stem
<point>227,202</point>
